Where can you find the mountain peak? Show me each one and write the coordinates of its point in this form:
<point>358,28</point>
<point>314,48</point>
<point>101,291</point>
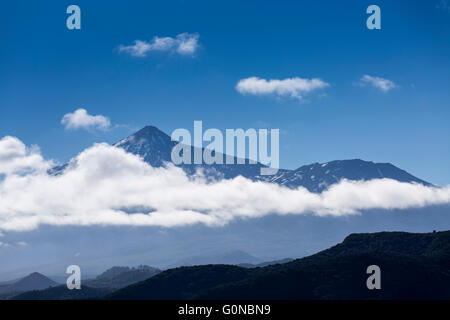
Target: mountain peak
<point>150,130</point>
<point>35,275</point>
<point>33,281</point>
<point>152,144</point>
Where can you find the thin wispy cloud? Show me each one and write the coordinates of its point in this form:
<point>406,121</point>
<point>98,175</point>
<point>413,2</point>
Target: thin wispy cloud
<point>443,5</point>
<point>290,87</point>
<point>4,245</point>
<point>81,119</point>
<point>10,245</point>
<point>105,185</point>
<point>382,84</point>
<point>183,44</point>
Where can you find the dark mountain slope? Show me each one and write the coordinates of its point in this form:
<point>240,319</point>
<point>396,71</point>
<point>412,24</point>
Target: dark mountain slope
<point>265,264</point>
<point>119,277</point>
<point>434,245</point>
<point>342,277</point>
<point>235,257</point>
<point>62,293</point>
<point>181,283</point>
<point>413,266</point>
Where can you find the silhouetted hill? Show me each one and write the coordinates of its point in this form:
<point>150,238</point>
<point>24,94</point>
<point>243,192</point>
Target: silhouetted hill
<point>413,266</point>
<point>110,280</point>
<point>62,293</point>
<point>342,277</point>
<point>118,277</point>
<point>234,257</point>
<point>435,246</point>
<point>182,283</point>
<point>265,264</point>
<point>34,281</point>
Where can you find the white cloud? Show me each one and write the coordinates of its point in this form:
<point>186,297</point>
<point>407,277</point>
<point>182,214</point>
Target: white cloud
<point>380,83</point>
<point>139,49</point>
<point>80,119</point>
<point>187,43</point>
<point>105,185</point>
<point>22,244</point>
<point>183,44</point>
<point>292,87</point>
<point>16,158</point>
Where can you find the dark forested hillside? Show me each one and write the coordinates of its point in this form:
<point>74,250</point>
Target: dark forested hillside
<point>183,282</point>
<point>413,266</point>
<point>62,293</point>
<point>118,277</point>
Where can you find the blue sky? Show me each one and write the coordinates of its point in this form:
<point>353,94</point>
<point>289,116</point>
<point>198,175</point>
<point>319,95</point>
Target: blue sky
<point>47,71</point>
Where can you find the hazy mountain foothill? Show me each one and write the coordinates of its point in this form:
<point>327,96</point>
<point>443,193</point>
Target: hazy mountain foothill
<point>413,266</point>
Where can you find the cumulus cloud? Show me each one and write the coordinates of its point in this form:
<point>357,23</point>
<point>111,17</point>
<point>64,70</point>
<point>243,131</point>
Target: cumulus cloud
<point>16,158</point>
<point>292,87</point>
<point>183,44</point>
<point>380,83</point>
<point>81,119</point>
<point>104,185</point>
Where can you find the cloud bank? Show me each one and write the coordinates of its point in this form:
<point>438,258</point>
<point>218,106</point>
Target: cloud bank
<point>291,87</point>
<point>81,119</point>
<point>104,185</point>
<point>380,83</point>
<point>183,44</point>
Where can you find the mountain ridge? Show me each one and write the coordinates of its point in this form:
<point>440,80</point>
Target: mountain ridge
<point>155,147</point>
<point>118,277</point>
<point>414,266</point>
